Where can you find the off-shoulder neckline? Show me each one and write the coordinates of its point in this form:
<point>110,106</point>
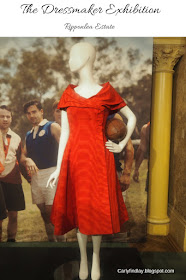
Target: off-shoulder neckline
<point>104,86</point>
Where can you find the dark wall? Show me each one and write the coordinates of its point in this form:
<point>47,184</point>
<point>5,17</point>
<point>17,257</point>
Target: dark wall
<point>177,193</point>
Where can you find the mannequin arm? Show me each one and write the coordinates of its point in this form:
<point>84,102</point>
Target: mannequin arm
<point>117,148</point>
<point>62,144</point>
<point>63,138</point>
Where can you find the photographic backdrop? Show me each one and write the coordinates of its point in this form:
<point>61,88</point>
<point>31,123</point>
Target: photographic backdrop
<point>38,68</point>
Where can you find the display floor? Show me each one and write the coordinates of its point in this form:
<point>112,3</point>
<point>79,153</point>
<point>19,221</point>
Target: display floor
<point>51,261</point>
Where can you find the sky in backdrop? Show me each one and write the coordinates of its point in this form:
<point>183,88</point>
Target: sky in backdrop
<point>145,45</point>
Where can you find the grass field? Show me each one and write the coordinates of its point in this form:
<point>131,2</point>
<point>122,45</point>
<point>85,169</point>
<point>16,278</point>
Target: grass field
<point>31,227</point>
<point>30,223</point>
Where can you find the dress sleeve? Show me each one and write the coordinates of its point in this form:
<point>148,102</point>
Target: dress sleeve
<point>115,102</point>
<point>62,105</point>
<point>67,100</point>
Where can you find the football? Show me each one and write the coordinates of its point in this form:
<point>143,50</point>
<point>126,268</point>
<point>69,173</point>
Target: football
<point>115,130</point>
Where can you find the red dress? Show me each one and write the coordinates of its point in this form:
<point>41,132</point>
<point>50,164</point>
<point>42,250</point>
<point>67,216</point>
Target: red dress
<point>88,194</point>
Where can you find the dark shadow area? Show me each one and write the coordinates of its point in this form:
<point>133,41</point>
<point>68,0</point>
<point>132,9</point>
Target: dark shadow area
<point>40,263</point>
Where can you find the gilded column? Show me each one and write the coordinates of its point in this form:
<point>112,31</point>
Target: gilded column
<point>164,59</point>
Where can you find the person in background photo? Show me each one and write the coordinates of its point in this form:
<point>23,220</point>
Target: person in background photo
<point>142,151</point>
<point>56,112</point>
<point>3,212</point>
<point>127,155</point>
<point>41,149</point>
<point>11,192</point>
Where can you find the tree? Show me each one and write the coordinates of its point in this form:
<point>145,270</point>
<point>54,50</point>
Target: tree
<point>138,98</point>
<point>108,66</point>
<point>27,76</point>
<point>42,71</point>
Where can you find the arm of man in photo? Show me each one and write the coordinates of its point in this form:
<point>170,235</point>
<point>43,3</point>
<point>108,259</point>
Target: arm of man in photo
<point>21,159</point>
<point>128,161</point>
<point>56,131</point>
<point>140,154</point>
<point>30,165</point>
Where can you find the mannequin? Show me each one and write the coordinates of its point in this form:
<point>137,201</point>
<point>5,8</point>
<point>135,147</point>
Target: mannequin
<point>82,57</point>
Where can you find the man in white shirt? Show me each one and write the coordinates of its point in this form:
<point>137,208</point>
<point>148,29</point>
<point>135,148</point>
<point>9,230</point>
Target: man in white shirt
<point>12,197</point>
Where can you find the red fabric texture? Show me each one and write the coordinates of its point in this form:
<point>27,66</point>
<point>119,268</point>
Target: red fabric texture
<point>88,194</point>
<point>1,167</point>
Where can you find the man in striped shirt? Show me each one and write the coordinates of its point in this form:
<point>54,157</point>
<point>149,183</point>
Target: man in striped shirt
<point>12,197</point>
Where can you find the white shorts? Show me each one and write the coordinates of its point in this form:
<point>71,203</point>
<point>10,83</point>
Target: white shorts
<point>41,194</point>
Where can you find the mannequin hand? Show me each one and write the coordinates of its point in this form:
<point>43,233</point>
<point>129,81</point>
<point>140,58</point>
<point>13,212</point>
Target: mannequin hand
<point>52,181</point>
<point>113,147</point>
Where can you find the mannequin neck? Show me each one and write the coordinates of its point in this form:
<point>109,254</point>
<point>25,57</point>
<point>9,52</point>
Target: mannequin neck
<point>86,76</point>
